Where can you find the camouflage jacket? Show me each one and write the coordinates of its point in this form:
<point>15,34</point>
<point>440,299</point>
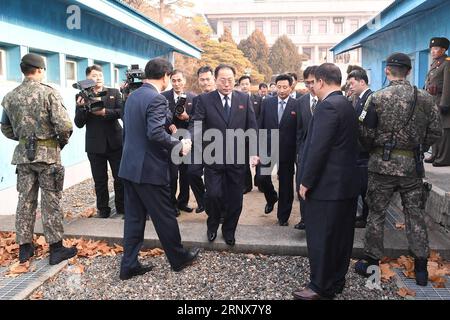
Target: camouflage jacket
<point>387,114</point>
<point>35,108</point>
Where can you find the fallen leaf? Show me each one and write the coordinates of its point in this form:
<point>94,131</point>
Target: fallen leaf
<point>77,268</point>
<point>38,295</point>
<point>41,241</point>
<point>90,212</point>
<point>404,292</point>
<point>19,268</point>
<point>435,256</point>
<point>386,272</point>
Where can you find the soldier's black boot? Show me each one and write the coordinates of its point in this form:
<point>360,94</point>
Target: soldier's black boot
<point>362,265</point>
<point>420,268</point>
<point>60,253</point>
<point>26,251</point>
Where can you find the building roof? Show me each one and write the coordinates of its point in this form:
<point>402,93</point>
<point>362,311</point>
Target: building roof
<point>122,13</point>
<point>399,13</point>
<point>239,7</point>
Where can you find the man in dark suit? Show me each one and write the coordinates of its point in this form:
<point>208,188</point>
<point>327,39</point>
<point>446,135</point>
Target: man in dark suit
<point>224,109</point>
<point>273,90</point>
<point>178,80</point>
<point>256,101</point>
<point>103,141</point>
<point>359,86</point>
<point>145,170</point>
<point>206,83</point>
<point>294,94</point>
<point>280,113</point>
<point>307,104</point>
<point>263,91</point>
<point>329,186</point>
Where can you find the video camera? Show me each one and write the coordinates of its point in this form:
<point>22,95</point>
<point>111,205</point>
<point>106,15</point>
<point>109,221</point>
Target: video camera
<point>133,80</point>
<point>91,98</point>
<point>179,107</point>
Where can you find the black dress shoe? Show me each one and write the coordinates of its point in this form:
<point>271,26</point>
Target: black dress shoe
<point>103,215</point>
<point>211,236</point>
<point>185,209</point>
<point>300,225</point>
<point>283,223</point>
<point>429,159</point>
<point>125,275</point>
<point>200,209</point>
<point>269,207</point>
<point>192,255</point>
<point>307,294</point>
<point>177,212</point>
<point>247,190</point>
<point>435,164</point>
<point>230,242</point>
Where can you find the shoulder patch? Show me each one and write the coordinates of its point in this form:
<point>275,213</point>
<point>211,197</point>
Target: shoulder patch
<point>46,85</point>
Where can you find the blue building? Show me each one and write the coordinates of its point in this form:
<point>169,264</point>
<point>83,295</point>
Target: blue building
<point>405,26</point>
<point>70,35</point>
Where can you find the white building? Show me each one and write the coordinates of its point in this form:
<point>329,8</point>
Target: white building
<point>314,26</point>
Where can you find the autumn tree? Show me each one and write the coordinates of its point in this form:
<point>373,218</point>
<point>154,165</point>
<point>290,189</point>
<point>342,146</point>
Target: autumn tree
<point>216,53</point>
<point>227,36</point>
<point>284,56</point>
<point>256,49</point>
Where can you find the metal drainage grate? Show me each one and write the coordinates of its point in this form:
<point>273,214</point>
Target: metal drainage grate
<point>11,287</point>
<point>425,293</point>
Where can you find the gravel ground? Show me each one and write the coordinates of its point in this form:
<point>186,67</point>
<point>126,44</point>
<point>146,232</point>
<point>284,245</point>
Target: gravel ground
<point>216,276</point>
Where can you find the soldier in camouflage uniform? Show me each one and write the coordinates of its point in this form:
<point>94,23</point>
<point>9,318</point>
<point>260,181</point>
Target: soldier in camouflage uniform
<point>438,85</point>
<point>34,116</point>
<point>397,125</point>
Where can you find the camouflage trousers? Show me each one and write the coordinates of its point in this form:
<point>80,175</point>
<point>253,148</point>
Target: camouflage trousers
<point>50,179</point>
<point>379,193</point>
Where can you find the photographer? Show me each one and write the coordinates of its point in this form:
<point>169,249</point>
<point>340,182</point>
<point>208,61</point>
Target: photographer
<point>178,81</point>
<point>103,139</point>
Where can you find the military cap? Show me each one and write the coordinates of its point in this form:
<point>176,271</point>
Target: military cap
<point>33,60</point>
<point>439,42</point>
<point>399,59</point>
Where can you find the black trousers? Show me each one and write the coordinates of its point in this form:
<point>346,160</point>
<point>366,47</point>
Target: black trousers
<point>99,168</point>
<point>195,173</point>
<point>330,227</point>
<point>224,185</point>
<point>286,190</point>
<point>364,178</point>
<point>179,171</point>
<point>142,200</point>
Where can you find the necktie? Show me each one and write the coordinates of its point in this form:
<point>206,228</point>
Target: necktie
<point>280,111</point>
<point>313,107</point>
<point>227,107</point>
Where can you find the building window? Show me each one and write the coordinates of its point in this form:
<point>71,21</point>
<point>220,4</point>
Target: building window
<point>116,78</point>
<point>259,25</point>
<point>2,64</point>
<point>274,27</point>
<point>243,28</point>
<point>290,26</point>
<point>323,54</point>
<point>71,71</point>
<point>339,28</point>
<point>228,25</point>
<point>308,52</point>
<point>307,26</point>
<point>323,26</point>
<point>354,24</point>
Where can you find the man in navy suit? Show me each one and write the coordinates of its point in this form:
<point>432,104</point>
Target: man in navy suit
<point>358,82</point>
<point>307,105</point>
<point>224,109</point>
<point>280,113</point>
<point>178,81</point>
<point>329,186</point>
<point>145,172</point>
